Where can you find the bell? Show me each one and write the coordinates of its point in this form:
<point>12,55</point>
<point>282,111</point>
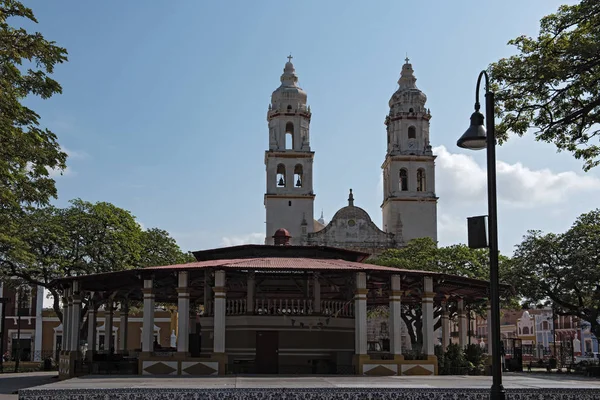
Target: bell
<point>280,183</point>
<point>298,183</point>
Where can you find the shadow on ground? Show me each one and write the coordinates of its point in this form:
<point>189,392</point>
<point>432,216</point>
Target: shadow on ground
<point>11,383</point>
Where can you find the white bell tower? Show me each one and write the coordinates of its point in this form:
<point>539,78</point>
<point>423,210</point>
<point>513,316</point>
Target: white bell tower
<point>409,201</point>
<point>289,200</point>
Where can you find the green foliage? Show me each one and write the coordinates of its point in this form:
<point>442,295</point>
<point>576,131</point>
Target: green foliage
<point>553,83</point>
<point>159,248</point>
<point>563,269</point>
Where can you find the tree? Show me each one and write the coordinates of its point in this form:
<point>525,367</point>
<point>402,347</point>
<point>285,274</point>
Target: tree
<point>423,254</point>
<point>563,269</point>
<point>27,152</point>
<point>553,84</point>
<point>159,248</point>
<point>84,238</point>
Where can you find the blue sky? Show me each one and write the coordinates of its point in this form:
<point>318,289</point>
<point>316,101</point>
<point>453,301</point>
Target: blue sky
<point>164,109</point>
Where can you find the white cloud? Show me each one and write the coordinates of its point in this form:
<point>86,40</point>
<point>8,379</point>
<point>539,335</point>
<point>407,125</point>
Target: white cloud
<point>75,153</point>
<point>459,177</point>
<point>56,172</point>
<point>250,238</point>
<point>451,229</point>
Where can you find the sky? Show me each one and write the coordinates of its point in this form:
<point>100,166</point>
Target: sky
<point>164,105</point>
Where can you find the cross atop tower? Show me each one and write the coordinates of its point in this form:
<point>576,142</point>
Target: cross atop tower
<point>407,59</point>
<point>290,57</point>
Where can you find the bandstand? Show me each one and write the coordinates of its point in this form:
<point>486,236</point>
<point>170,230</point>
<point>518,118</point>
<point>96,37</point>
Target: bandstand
<point>262,309</point>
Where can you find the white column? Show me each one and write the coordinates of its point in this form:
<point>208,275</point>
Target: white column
<point>360,314</point>
<point>488,320</point>
<point>206,292</point>
<point>250,294</point>
<point>75,317</point>
<point>395,317</point>
<point>123,326</point>
<point>148,324</point>
<point>183,313</point>
<point>316,294</point>
<point>108,327</point>
<point>65,320</point>
<point>427,307</point>
<point>39,305</point>
<point>462,324</point>
<point>91,337</point>
<point>445,326</point>
<point>219,318</point>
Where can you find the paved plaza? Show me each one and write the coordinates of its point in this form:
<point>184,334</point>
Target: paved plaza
<point>519,386</point>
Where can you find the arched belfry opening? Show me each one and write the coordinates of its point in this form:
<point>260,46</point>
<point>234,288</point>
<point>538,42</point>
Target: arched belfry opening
<point>289,136</point>
<point>403,180</point>
<point>280,177</point>
<point>298,176</point>
<point>412,132</point>
<point>421,183</point>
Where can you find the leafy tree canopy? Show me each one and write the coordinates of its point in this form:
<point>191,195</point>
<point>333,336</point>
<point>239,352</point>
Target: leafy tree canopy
<point>85,238</point>
<point>563,269</point>
<point>553,84</point>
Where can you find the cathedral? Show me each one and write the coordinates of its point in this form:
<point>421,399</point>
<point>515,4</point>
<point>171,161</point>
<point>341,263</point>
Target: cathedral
<point>409,202</point>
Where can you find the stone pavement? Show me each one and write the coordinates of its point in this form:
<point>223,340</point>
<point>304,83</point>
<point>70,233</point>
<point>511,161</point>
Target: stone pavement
<point>527,386</point>
<point>10,383</point>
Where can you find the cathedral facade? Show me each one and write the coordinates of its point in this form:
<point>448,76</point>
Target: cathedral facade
<point>409,202</point>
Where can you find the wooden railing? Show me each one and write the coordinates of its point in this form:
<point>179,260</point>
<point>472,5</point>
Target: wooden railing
<point>335,308</point>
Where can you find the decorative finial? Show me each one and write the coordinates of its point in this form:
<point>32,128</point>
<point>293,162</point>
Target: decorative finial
<point>351,199</point>
<point>290,57</point>
<point>407,59</point>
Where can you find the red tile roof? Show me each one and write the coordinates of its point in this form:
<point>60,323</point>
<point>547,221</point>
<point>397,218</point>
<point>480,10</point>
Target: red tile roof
<point>284,263</point>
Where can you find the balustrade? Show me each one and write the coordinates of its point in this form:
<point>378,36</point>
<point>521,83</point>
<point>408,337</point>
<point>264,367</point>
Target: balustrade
<point>330,308</point>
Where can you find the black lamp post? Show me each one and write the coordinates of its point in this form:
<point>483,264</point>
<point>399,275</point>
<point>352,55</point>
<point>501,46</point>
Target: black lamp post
<point>476,138</point>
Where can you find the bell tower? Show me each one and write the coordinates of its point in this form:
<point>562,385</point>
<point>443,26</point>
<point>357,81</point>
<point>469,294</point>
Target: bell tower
<point>409,201</point>
<point>289,199</point>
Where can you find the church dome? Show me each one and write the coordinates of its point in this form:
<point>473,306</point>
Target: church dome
<point>289,96</point>
<point>408,98</point>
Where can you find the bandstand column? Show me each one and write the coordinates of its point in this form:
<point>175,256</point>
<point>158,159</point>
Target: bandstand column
<point>148,323</point>
<point>108,327</point>
<point>445,326</point>
<point>123,325</point>
<point>250,294</point>
<point>360,314</point>
<point>219,318</point>
<point>65,324</point>
<point>462,324</point>
<point>183,311</point>
<point>75,317</point>
<point>316,293</point>
<point>395,316</point>
<point>427,307</point>
<point>92,322</point>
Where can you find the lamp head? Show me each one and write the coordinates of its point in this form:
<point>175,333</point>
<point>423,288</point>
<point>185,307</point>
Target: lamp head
<point>475,137</point>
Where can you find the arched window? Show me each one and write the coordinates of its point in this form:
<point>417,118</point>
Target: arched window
<point>289,107</point>
<point>412,132</point>
<point>289,136</point>
<point>421,187</point>
<point>403,180</point>
<point>525,330</point>
<point>280,178</point>
<point>298,176</point>
<point>545,325</point>
<point>411,110</point>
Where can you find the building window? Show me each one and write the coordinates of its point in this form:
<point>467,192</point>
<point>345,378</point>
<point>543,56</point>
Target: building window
<point>421,180</point>
<point>289,107</point>
<point>412,132</point>
<point>280,177</point>
<point>525,330</point>
<point>403,180</point>
<point>545,325</point>
<point>289,203</point>
<point>298,176</point>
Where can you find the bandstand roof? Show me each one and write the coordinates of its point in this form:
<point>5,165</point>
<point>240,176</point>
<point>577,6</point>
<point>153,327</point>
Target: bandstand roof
<point>335,265</point>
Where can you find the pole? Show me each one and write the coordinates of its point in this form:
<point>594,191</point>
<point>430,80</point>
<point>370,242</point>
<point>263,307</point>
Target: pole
<point>3,301</point>
<point>497,390</point>
<point>18,352</point>
<point>554,332</point>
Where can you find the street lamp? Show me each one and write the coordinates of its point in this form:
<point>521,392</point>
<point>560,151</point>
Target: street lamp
<point>476,138</point>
